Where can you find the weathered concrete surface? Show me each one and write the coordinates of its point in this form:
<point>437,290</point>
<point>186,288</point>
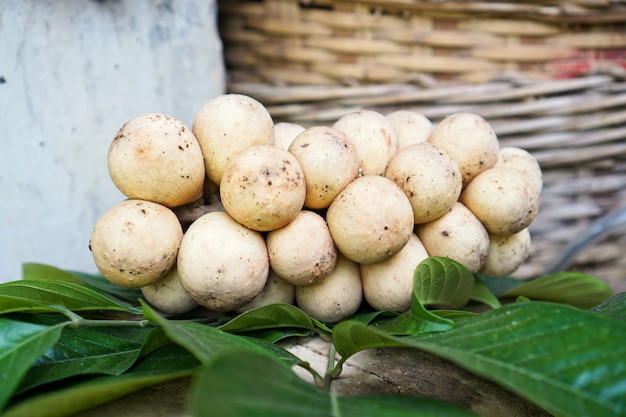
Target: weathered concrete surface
<point>71,73</point>
<point>374,371</point>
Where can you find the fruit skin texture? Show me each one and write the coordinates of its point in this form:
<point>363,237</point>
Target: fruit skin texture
<point>507,253</point>
<point>222,264</point>
<point>263,188</point>
<point>429,178</point>
<point>303,251</point>
<point>329,161</point>
<point>388,285</point>
<point>226,125</point>
<point>503,200</point>
<point>155,157</point>
<point>135,243</point>
<point>276,290</point>
<point>410,127</point>
<point>458,235</point>
<point>370,220</point>
<point>168,294</point>
<point>285,133</point>
<point>373,137</point>
<point>336,297</point>
<point>469,140</point>
<point>523,161</point>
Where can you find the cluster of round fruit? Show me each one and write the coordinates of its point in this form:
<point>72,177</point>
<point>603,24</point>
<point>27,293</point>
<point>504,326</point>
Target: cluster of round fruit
<point>323,217</point>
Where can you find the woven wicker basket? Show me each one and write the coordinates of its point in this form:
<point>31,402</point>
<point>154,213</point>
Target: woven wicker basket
<point>339,42</point>
<point>548,76</point>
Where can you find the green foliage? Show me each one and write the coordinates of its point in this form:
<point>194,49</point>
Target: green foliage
<point>70,341</point>
<point>246,384</point>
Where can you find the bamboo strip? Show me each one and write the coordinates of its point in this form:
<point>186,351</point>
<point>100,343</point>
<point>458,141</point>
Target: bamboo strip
<point>509,27</point>
<point>593,40</point>
<point>541,89</point>
<point>561,157</point>
<point>440,38</point>
<point>564,139</point>
<point>523,53</point>
<point>289,27</point>
<point>437,64</point>
<point>355,45</point>
<point>343,20</point>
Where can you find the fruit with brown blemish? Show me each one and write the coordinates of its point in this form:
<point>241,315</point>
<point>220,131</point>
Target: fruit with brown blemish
<point>135,243</point>
<point>155,157</point>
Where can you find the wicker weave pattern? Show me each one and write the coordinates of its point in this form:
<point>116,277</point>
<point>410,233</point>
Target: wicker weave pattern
<point>549,76</point>
<point>318,42</point>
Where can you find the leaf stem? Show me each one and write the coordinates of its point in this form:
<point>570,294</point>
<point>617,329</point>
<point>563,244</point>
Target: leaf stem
<point>108,323</point>
<point>331,371</point>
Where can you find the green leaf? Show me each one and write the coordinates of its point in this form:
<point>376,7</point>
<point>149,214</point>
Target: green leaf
<point>167,363</point>
<point>574,288</point>
<point>38,271</point>
<point>204,342</point>
<point>436,281</point>
<point>499,285</point>
<point>442,281</point>
<point>614,307</point>
<point>98,282</point>
<point>415,321</point>
<point>273,316</point>
<point>350,337</point>
<point>276,335</point>
<point>247,384</point>
<point>454,314</point>
<point>46,295</point>
<point>568,361</point>
<point>91,350</point>
<point>483,294</point>
<point>371,317</point>
<point>20,345</point>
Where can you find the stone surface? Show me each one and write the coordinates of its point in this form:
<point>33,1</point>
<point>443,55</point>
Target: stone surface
<point>71,73</point>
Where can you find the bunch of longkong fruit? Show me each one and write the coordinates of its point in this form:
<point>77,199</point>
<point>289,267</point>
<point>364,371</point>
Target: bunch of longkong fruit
<point>239,212</point>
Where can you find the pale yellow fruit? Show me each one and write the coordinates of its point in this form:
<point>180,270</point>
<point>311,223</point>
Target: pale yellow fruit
<point>388,285</point>
<point>329,161</point>
<point>285,133</point>
<point>168,294</point>
<point>468,139</point>
<point>222,264</point>
<point>523,161</point>
<point>336,297</point>
<point>410,127</point>
<point>156,157</point>
<point>370,220</point>
<point>226,125</point>
<point>457,235</point>
<point>429,178</point>
<point>263,188</point>
<point>276,290</point>
<point>507,253</point>
<point>503,199</point>
<point>135,242</point>
<point>373,137</point>
<point>302,252</point>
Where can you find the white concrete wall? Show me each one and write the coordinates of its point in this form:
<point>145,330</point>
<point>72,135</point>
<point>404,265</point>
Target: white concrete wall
<point>71,73</point>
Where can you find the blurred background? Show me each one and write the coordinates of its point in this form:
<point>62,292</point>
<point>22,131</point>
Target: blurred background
<point>550,77</point>
<point>72,72</point>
